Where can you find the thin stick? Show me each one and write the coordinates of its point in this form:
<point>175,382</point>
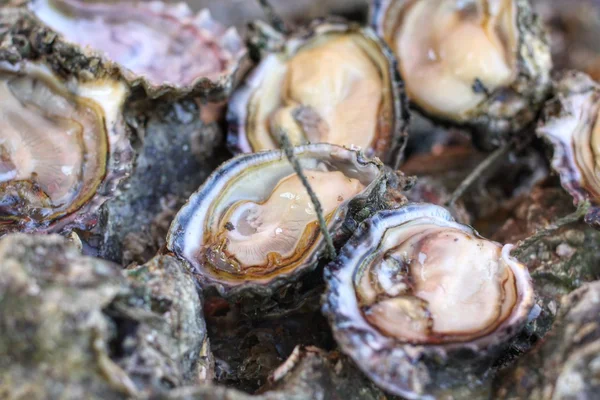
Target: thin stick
<point>274,19</point>
<point>483,167</point>
<point>582,210</point>
<point>289,153</point>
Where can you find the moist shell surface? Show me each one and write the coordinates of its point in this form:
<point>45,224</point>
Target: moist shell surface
<point>163,48</point>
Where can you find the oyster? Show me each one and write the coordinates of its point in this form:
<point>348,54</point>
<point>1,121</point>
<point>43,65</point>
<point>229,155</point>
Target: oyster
<point>571,123</point>
<point>163,47</point>
<point>312,86</point>
<point>412,289</point>
<point>63,149</point>
<point>479,63</point>
<point>78,327</point>
<point>252,226</point>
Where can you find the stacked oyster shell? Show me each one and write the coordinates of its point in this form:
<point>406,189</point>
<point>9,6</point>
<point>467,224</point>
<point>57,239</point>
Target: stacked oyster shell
<point>112,114</point>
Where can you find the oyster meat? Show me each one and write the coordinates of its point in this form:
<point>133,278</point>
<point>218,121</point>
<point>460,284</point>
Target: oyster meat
<point>571,123</point>
<point>252,224</point>
<point>333,83</point>
<point>412,289</point>
<point>164,47</point>
<point>479,63</point>
<point>63,148</point>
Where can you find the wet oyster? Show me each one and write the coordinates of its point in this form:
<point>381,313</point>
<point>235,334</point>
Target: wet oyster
<point>252,225</point>
<point>571,123</point>
<point>63,149</point>
<point>332,83</point>
<point>412,289</point>
<point>163,47</point>
<point>480,63</point>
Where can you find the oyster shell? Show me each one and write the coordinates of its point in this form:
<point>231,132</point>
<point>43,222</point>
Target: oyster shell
<point>571,123</point>
<point>503,84</point>
<point>412,289</point>
<point>252,227</point>
<point>78,327</point>
<point>162,47</point>
<point>312,84</point>
<point>64,147</point>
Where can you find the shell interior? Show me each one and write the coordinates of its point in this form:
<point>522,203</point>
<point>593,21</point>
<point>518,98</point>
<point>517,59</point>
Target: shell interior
<point>253,221</point>
<point>166,44</point>
<point>572,125</point>
<point>57,142</point>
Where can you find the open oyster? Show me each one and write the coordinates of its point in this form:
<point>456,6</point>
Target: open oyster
<point>571,123</point>
<point>412,289</point>
<point>63,148</point>
<point>252,226</point>
<point>480,63</point>
<point>163,47</point>
<point>332,83</point>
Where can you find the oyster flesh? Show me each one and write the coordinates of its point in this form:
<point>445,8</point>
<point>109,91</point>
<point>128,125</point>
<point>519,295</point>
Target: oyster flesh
<point>412,288</point>
<point>63,149</point>
<point>479,63</point>
<point>252,225</point>
<point>331,83</point>
<point>163,47</point>
<point>571,123</point>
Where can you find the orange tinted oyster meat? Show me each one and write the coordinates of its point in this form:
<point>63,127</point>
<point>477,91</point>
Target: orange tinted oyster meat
<point>412,287</point>
<point>483,63</point>
<point>63,148</point>
<point>252,225</point>
<point>331,83</point>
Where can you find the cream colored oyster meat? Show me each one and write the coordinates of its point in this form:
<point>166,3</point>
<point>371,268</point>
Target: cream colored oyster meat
<point>260,238</point>
<point>453,53</point>
<point>422,303</point>
<point>435,284</point>
<point>333,89</point>
<point>54,146</point>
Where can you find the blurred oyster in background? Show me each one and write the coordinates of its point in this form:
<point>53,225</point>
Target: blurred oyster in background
<point>163,47</point>
<point>331,82</point>
<point>574,29</point>
<point>571,123</point>
<point>241,236</point>
<point>64,147</point>
<point>506,79</point>
<point>75,327</point>
<point>565,364</point>
<point>423,304</point>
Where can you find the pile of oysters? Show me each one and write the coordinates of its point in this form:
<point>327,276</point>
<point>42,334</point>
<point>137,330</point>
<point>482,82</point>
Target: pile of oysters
<point>370,199</point>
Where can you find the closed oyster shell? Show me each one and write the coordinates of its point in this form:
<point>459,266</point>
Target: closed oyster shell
<point>78,327</point>
<point>163,48</point>
<point>571,124</point>
<point>312,83</point>
<point>499,91</point>
<point>421,302</point>
<point>251,227</point>
<point>64,147</point>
